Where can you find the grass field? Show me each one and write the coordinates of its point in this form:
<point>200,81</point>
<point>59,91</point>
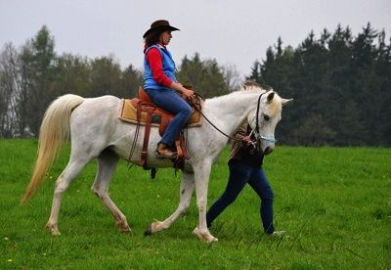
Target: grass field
<point>334,203</point>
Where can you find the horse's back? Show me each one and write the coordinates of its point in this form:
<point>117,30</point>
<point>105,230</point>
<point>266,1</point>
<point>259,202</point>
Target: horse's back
<point>94,119</point>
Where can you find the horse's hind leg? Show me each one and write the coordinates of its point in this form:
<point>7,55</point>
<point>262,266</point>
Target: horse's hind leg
<point>107,162</point>
<point>75,165</point>
<point>186,190</point>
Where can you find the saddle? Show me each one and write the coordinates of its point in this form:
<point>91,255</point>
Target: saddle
<point>142,111</point>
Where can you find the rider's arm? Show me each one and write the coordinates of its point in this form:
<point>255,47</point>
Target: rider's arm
<point>155,62</point>
<point>154,59</point>
<point>181,90</point>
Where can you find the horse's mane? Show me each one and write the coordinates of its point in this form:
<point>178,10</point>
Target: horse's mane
<point>274,107</point>
<point>243,91</point>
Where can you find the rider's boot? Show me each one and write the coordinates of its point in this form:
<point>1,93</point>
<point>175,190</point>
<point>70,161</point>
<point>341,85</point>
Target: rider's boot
<point>163,151</point>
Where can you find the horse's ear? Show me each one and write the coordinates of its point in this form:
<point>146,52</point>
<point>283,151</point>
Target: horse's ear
<point>270,97</point>
<point>285,101</point>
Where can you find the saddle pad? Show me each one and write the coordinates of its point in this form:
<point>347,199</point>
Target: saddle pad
<point>128,113</point>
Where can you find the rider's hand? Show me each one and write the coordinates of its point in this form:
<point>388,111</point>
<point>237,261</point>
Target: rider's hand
<point>182,90</point>
<point>187,93</point>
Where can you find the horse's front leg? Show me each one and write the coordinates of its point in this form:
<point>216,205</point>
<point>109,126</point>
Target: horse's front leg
<point>201,177</point>
<point>186,190</point>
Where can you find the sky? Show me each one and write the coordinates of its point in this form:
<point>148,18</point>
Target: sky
<point>234,32</point>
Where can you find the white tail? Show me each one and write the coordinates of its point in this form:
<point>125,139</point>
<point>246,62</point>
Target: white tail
<point>54,131</point>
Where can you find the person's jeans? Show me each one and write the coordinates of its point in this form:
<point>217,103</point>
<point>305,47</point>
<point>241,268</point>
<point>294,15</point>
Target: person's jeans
<point>240,175</point>
<point>170,101</point>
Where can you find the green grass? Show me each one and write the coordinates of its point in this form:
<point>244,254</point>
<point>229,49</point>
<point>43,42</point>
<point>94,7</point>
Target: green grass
<point>335,204</point>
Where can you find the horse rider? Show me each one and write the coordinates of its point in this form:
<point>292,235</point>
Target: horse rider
<point>162,86</point>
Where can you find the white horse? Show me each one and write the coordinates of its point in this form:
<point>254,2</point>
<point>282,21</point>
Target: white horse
<point>97,132</point>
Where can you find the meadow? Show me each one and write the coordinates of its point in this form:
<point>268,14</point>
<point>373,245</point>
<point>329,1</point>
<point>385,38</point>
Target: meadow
<point>334,203</point>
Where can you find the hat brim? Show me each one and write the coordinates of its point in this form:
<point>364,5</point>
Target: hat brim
<point>160,29</point>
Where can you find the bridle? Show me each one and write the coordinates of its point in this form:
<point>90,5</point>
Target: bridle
<point>255,131</point>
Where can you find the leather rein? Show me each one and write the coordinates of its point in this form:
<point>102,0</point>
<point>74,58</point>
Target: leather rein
<point>256,130</point>
<point>198,108</point>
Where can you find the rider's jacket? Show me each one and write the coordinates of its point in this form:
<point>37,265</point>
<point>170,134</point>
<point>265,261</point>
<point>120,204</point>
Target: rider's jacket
<point>168,68</point>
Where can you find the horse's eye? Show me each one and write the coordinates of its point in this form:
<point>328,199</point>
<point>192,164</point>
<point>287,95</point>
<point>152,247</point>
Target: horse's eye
<point>266,117</point>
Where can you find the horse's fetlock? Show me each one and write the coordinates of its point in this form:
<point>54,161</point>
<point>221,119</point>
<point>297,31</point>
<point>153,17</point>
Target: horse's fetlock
<point>98,194</point>
<point>183,209</point>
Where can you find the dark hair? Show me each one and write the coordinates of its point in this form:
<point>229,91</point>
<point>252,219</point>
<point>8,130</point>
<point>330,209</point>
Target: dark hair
<point>152,38</point>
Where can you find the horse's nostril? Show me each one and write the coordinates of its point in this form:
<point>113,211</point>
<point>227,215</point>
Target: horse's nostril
<point>268,150</point>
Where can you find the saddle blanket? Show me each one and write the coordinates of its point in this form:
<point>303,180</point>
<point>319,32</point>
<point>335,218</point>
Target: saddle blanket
<point>128,114</point>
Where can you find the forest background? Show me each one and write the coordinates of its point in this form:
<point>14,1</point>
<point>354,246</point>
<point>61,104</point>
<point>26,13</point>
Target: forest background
<point>341,84</point>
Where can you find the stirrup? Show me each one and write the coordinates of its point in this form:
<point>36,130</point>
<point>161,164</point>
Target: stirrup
<point>165,153</point>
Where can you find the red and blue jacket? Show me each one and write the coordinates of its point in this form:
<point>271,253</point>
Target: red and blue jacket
<point>159,68</point>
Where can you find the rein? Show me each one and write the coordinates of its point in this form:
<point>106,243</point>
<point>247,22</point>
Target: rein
<point>198,108</point>
<point>256,130</point>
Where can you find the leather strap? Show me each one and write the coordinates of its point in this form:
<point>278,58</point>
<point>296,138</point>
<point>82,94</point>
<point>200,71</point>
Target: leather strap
<point>147,130</point>
<point>179,151</point>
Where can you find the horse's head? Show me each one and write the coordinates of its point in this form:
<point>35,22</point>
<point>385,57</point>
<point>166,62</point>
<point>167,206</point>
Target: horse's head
<point>267,114</point>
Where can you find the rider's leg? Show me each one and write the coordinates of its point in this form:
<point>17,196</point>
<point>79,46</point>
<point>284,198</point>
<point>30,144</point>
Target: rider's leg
<point>170,101</point>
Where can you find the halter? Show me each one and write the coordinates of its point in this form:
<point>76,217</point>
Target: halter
<point>256,131</point>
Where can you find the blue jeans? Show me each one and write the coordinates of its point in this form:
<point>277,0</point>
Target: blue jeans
<point>240,175</point>
<point>171,102</point>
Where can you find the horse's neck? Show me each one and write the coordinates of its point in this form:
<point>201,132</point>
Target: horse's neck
<point>230,111</point>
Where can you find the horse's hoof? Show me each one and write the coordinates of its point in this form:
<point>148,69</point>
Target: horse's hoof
<point>55,233</point>
<point>126,230</point>
<point>148,231</point>
<point>123,226</point>
<point>205,236</point>
<point>156,226</point>
<point>53,229</point>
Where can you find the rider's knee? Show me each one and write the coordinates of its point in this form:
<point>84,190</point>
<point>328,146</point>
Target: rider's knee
<point>188,110</point>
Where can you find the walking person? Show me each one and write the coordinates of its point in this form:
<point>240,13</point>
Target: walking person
<point>245,167</point>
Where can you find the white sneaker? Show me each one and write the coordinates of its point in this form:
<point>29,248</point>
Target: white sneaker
<point>278,234</point>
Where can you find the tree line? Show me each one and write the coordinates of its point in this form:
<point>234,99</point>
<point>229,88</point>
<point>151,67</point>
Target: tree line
<point>341,84</point>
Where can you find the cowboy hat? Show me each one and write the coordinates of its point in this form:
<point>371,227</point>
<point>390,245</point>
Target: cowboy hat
<point>161,26</point>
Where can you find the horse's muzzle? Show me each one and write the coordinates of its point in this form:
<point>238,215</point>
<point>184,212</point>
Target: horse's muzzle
<point>268,150</point>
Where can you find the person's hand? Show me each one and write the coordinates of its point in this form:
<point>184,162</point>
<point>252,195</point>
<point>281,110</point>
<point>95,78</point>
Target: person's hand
<point>187,93</point>
<point>247,140</point>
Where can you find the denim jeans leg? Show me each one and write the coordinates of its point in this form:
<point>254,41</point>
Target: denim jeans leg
<point>238,177</point>
<point>170,101</point>
<point>261,186</point>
